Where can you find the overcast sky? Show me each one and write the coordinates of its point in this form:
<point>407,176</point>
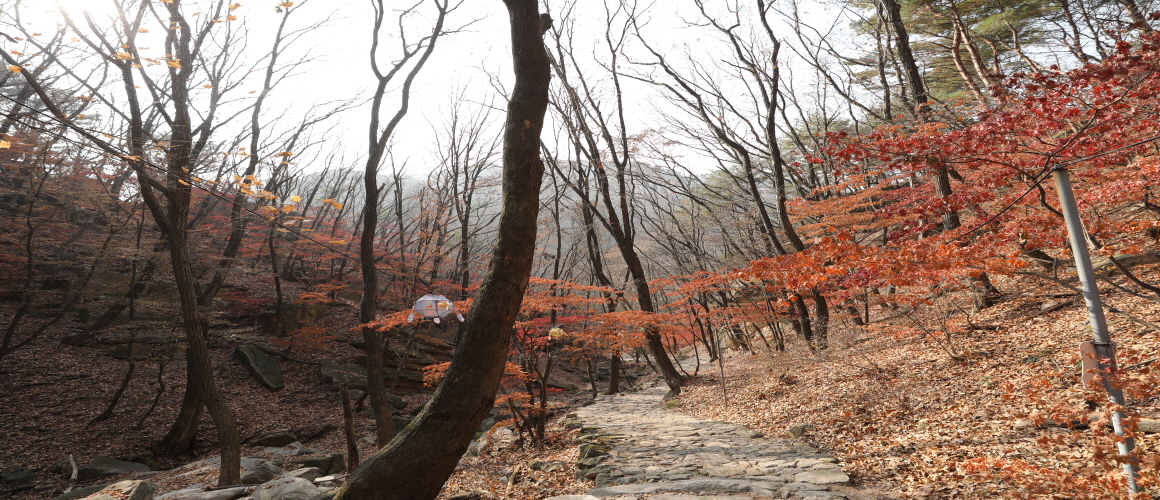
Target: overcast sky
<point>461,61</point>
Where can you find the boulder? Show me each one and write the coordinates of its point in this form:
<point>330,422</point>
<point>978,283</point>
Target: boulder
<point>199,494</point>
<point>332,480</point>
<point>82,492</point>
<point>278,439</point>
<point>822,476</point>
<point>593,450</point>
<point>256,470</point>
<point>125,490</point>
<point>354,376</point>
<point>291,488</point>
<point>294,315</point>
<point>400,423</point>
<point>307,473</point>
<point>262,366</point>
<point>107,466</point>
<point>797,430</point>
<point>18,476</point>
<point>332,464</point>
<point>488,423</point>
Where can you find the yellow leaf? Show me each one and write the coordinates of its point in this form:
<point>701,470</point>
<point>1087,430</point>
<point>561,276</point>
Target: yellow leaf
<point>288,208</point>
<point>135,65</point>
<point>280,230</point>
<point>328,200</point>
<point>36,34</point>
<point>183,182</point>
<point>174,64</point>
<point>295,199</point>
<point>231,17</point>
<point>14,68</point>
<point>217,20</point>
<point>234,6</point>
<point>75,39</point>
<point>15,53</point>
<point>80,117</point>
<point>132,158</point>
<point>253,91</point>
<point>285,153</point>
<point>5,145</point>
<point>337,206</point>
<point>286,4</point>
<point>208,86</point>
<point>337,242</point>
<point>143,30</point>
<point>123,56</point>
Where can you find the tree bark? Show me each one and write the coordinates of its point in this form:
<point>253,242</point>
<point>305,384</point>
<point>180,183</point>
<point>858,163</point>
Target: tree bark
<point>416,464</point>
<point>902,43</point>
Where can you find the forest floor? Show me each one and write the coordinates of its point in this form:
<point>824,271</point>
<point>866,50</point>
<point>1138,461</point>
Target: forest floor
<point>903,414</point>
<point>902,411</point>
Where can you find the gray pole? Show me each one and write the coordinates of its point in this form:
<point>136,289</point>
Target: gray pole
<point>1105,350</point>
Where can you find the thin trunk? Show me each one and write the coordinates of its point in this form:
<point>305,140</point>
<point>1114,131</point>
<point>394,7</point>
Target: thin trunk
<point>416,465</point>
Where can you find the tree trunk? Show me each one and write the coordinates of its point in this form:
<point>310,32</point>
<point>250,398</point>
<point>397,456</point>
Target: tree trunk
<point>416,464</point>
<point>902,43</point>
<point>614,377</point>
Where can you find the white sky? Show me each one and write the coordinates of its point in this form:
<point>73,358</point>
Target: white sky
<point>462,60</point>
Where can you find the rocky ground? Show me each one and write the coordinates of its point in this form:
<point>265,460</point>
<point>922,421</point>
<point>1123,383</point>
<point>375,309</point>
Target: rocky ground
<point>633,445</point>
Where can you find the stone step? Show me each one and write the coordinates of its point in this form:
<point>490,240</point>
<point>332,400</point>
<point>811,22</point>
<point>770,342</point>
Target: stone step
<point>631,445</point>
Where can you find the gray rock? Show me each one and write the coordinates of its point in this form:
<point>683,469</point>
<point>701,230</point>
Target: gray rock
<point>331,480</point>
<point>125,490</point>
<point>262,366</point>
<point>593,450</point>
<point>698,497</point>
<point>588,463</point>
<point>797,430</point>
<point>256,470</point>
<point>698,486</point>
<point>400,423</point>
<point>819,495</point>
<point>332,464</point>
<point>82,492</point>
<point>307,473</point>
<point>293,488</point>
<point>822,476</point>
<point>278,439</point>
<point>354,376</point>
<point>107,466</point>
<point>802,487</point>
<point>18,476</point>
<point>199,494</point>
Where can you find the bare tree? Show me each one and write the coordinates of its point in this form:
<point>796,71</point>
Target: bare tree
<point>416,464</point>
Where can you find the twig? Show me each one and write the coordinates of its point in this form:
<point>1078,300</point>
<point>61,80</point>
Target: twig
<point>1140,364</point>
<point>512,480</point>
<point>72,480</point>
<point>348,428</point>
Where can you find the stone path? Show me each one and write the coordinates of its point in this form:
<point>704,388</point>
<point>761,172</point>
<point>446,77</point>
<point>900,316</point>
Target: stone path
<point>635,448</point>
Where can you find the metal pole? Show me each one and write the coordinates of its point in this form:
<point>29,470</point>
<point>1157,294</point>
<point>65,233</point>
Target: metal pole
<point>1105,349</point>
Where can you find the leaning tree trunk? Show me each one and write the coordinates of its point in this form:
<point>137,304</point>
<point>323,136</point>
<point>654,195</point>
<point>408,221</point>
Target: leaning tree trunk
<point>415,464</point>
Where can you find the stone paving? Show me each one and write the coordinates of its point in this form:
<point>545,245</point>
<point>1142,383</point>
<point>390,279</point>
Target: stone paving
<point>634,448</point>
